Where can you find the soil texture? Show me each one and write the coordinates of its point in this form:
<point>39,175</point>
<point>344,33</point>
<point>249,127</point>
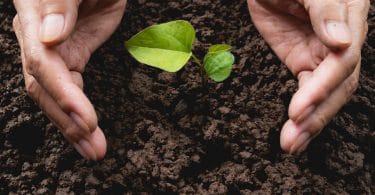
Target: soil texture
<point>168,134</point>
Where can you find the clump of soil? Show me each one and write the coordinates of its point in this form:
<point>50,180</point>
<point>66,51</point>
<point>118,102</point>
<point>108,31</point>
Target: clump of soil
<point>167,133</point>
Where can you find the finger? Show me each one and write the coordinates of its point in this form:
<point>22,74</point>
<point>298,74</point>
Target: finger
<point>295,136</point>
<point>94,145</point>
<point>334,69</point>
<point>51,72</point>
<point>91,146</point>
<point>58,20</point>
<point>304,77</point>
<point>77,79</point>
<point>53,20</point>
<point>330,21</point>
<point>76,76</point>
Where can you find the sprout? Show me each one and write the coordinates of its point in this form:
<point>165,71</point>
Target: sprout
<point>168,46</point>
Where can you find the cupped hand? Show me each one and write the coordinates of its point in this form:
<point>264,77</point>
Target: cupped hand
<point>320,42</point>
<point>57,39</point>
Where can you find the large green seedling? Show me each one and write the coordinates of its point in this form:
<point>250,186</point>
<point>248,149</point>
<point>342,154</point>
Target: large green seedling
<point>168,46</point>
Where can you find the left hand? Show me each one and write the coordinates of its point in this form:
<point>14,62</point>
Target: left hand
<point>56,39</point>
<point>320,41</point>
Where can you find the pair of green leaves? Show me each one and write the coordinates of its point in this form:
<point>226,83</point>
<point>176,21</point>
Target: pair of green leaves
<point>168,46</point>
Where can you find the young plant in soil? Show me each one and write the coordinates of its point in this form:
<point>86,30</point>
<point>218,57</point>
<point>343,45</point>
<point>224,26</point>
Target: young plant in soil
<point>168,46</point>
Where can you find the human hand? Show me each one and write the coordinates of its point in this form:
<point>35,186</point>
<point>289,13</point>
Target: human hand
<point>57,39</point>
<point>320,42</point>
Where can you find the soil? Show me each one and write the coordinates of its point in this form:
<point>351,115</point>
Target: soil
<point>168,134</point>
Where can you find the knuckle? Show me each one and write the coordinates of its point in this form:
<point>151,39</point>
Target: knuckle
<point>77,79</point>
<point>352,60</point>
<point>65,103</point>
<point>32,58</point>
<point>356,56</point>
<point>80,84</point>
<point>350,69</point>
<point>322,93</point>
<point>321,121</point>
<point>53,6</point>
<point>351,85</point>
<point>32,89</point>
<point>49,6</point>
<point>72,133</point>
<point>15,23</point>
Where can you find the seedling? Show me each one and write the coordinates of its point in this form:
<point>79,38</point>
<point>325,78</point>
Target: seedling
<point>168,46</point>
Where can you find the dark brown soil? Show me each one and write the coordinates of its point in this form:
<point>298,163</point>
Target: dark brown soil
<point>166,133</point>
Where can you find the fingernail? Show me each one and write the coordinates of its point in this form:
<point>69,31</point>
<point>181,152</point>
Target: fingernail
<point>85,149</point>
<point>305,113</point>
<point>338,31</point>
<point>53,25</point>
<point>301,143</point>
<point>78,120</point>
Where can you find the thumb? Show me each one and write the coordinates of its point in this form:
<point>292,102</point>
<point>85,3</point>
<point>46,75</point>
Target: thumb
<point>58,20</point>
<point>330,22</point>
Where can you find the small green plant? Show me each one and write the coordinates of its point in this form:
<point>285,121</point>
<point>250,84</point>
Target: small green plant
<point>168,46</point>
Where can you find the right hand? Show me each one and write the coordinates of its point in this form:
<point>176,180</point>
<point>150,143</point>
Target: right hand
<point>57,39</point>
<point>320,42</point>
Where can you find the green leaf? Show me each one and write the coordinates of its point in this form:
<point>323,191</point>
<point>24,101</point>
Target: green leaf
<point>166,46</point>
<point>218,65</point>
<point>219,48</point>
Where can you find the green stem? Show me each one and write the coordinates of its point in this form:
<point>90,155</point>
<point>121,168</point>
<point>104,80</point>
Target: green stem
<point>197,60</point>
<point>201,67</point>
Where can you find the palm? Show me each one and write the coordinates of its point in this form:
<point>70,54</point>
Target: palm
<point>92,29</point>
<point>292,39</point>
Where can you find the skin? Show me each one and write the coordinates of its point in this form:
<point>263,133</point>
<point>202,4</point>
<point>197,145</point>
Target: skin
<point>54,61</point>
<point>325,59</point>
<point>56,42</point>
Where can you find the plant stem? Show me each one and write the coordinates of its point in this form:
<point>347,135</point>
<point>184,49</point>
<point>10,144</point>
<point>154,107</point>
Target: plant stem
<point>201,67</point>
